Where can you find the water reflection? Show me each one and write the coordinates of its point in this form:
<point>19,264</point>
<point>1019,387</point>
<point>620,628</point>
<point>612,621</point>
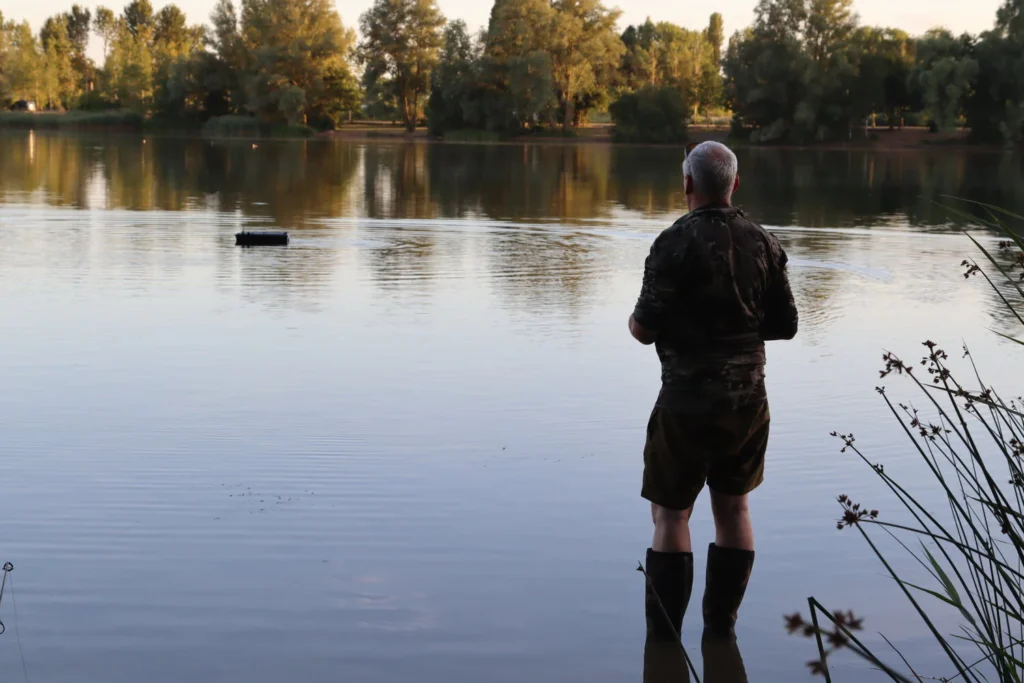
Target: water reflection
<point>293,182</point>
<point>667,663</point>
<point>534,206</point>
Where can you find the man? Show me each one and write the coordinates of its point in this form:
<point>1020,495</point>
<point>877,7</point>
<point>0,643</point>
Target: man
<point>715,289</point>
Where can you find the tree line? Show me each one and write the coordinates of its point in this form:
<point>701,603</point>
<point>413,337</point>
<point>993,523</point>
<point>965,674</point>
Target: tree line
<point>805,70</point>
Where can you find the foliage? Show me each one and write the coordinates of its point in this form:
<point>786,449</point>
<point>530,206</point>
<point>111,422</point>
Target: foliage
<point>296,67</point>
<point>652,114</point>
<point>585,51</point>
<point>539,64</point>
<point>664,54</point>
<point>793,74</point>
<point>804,71</point>
<point>401,42</point>
<point>943,75</point>
<point>995,111</point>
<point>972,443</point>
<point>453,103</point>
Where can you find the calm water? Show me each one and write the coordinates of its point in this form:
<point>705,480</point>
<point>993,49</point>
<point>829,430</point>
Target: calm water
<point>408,446</point>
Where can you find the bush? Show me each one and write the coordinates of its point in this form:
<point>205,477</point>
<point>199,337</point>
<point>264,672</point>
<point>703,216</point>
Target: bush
<point>650,115</point>
<point>234,126</point>
<point>119,119</point>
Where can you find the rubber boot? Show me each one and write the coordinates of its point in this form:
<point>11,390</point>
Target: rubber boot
<point>727,576</point>
<point>671,575</point>
<point>722,660</point>
<point>664,662</point>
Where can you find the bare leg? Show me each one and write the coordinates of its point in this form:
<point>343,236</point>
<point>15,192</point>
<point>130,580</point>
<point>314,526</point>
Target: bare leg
<point>732,522</point>
<point>671,530</point>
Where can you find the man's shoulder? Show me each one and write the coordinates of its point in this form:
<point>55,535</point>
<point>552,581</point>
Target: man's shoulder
<point>688,224</point>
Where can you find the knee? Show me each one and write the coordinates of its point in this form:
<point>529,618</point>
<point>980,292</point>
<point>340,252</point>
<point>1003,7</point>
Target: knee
<point>727,508</point>
<point>666,517</point>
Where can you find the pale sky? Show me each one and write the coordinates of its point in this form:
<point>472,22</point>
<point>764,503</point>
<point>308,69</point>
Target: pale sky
<point>914,16</point>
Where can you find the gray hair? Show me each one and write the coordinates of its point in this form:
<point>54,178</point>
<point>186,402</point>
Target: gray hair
<point>713,167</point>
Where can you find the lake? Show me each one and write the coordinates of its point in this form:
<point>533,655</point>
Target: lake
<point>408,446</point>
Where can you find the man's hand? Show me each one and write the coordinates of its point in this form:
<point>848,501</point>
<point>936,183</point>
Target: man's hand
<point>641,333</point>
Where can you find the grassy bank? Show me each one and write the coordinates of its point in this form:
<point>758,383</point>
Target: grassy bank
<point>245,127</point>
<point>114,120</point>
<point>129,121</point>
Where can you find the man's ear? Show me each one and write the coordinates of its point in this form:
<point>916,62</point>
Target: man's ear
<point>688,184</point>
<point>736,185</point>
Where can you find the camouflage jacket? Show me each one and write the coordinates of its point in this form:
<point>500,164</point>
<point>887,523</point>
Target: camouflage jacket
<point>715,289</point>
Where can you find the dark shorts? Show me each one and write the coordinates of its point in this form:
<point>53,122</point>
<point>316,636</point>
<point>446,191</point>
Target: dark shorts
<point>724,449</point>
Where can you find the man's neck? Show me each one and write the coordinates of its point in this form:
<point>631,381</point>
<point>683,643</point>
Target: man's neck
<point>698,203</point>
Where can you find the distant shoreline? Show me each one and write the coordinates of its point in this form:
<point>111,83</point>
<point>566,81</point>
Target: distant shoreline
<point>879,139</point>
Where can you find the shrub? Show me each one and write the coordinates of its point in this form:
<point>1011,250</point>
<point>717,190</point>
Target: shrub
<point>119,119</point>
<point>650,115</point>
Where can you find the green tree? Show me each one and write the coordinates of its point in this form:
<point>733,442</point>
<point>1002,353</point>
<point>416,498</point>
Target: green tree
<point>5,87</point>
<point>1010,19</point>
<point>828,109</point>
<point>517,66</point>
<point>715,34</point>
<point>454,83</point>
<point>104,26</point>
<point>138,18</point>
<point>224,75</point>
<point>24,63</point>
<point>174,44</point>
<point>400,48</point>
<point>585,50</point>
<point>59,79</point>
<point>128,69</point>
<point>943,75</point>
<point>995,109</point>
<point>885,57</point>
<point>170,28</point>
<point>79,20</point>
<point>765,66</point>
<point>296,61</point>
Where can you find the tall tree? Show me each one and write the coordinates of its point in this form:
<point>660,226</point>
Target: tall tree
<point>452,104</point>
<point>765,66</point>
<point>79,20</point>
<point>884,57</point>
<point>715,34</point>
<point>401,44</point>
<point>138,18</point>
<point>296,60</point>
<point>60,82</point>
<point>1010,19</point>
<point>25,64</point>
<point>943,75</point>
<point>169,28</point>
<point>517,64</point>
<point>829,25</point>
<point>585,51</point>
<point>104,27</point>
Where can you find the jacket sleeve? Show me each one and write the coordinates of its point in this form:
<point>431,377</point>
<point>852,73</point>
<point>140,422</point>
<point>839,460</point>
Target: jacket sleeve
<point>659,291</point>
<point>781,318</point>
